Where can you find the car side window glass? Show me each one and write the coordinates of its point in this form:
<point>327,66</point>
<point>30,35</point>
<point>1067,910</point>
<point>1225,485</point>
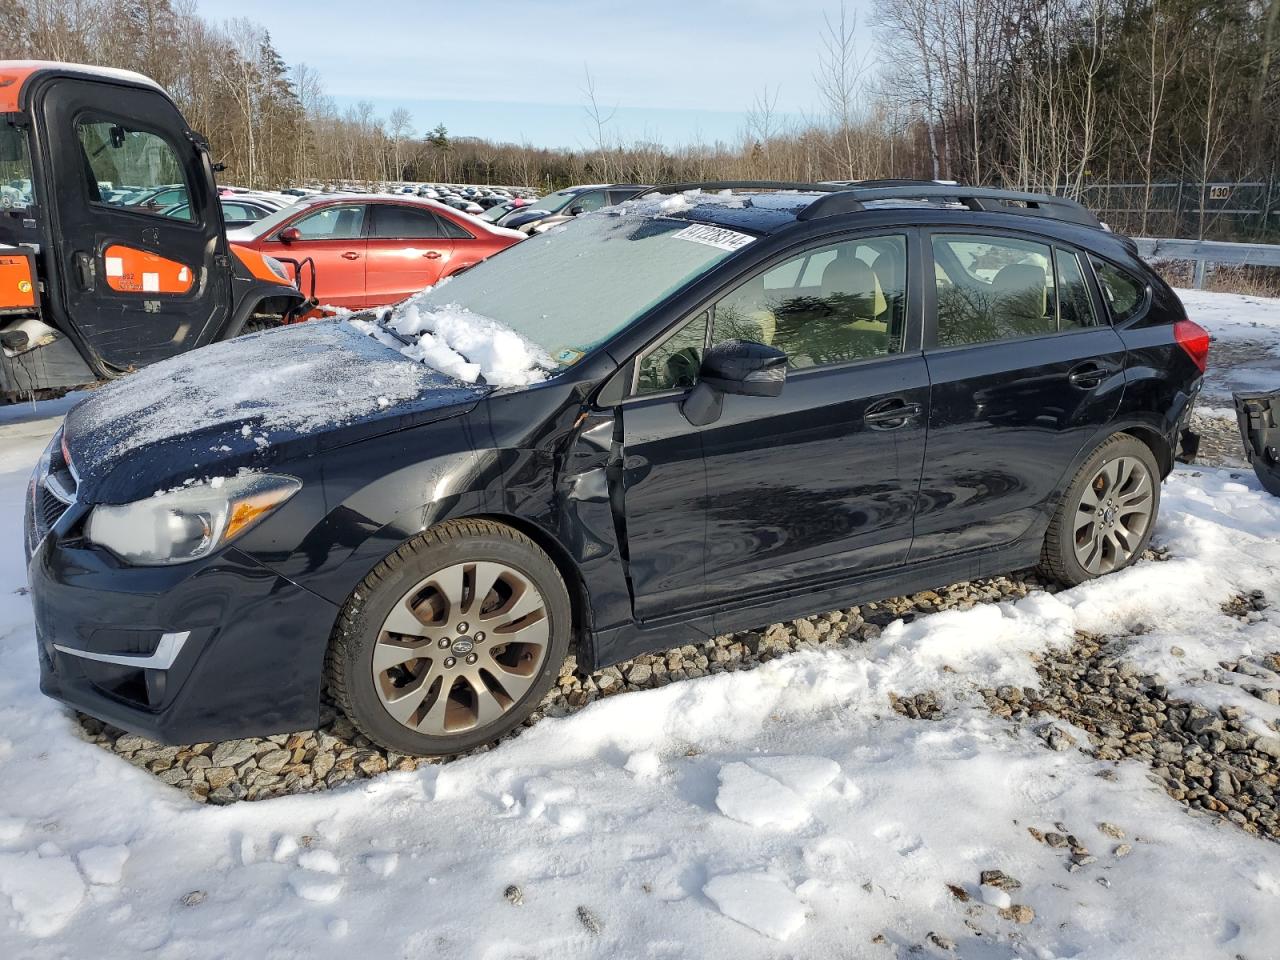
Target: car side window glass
<point>674,363</point>
<point>451,230</point>
<point>1125,294</point>
<point>1075,306</point>
<point>391,222</point>
<point>332,223</point>
<point>132,170</point>
<point>993,288</point>
<point>588,201</point>
<point>845,301</point>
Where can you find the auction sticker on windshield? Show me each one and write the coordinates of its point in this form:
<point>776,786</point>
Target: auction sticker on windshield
<point>714,236</point>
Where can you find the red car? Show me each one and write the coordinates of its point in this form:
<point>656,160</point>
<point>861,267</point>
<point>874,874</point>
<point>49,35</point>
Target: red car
<point>370,251</point>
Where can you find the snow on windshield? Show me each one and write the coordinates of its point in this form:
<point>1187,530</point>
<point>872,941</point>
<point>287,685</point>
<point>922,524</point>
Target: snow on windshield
<point>464,345</point>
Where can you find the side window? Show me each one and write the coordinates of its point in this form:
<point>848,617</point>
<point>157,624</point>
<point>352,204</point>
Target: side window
<point>451,230</point>
<point>993,288</point>
<point>588,201</point>
<point>1124,293</point>
<point>132,169</point>
<point>845,301</point>
<point>332,223</point>
<point>673,364</point>
<point>1075,304</point>
<point>391,222</point>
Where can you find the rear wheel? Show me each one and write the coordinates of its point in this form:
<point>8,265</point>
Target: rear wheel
<point>451,641</point>
<point>1105,519</point>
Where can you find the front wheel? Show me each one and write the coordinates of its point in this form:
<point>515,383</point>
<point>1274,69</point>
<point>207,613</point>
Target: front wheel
<point>1104,521</point>
<point>451,641</point>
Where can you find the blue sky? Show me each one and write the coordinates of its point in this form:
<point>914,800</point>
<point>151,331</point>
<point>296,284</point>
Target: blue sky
<point>514,69</point>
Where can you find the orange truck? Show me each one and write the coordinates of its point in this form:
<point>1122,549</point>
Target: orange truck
<point>96,278</point>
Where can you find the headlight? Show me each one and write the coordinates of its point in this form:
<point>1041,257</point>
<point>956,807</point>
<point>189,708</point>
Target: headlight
<point>190,523</point>
<point>278,268</point>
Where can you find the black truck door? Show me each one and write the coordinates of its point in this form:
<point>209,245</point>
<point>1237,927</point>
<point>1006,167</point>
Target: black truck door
<point>137,233</point>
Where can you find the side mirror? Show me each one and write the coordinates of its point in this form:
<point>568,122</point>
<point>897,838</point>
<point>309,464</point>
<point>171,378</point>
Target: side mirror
<point>575,210</point>
<point>740,367</point>
<point>290,234</point>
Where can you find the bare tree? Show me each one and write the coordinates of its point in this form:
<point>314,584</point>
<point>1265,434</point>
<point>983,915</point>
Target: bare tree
<point>598,118</point>
<point>839,81</point>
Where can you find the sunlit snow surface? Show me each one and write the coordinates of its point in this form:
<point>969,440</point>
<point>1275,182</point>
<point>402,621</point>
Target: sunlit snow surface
<point>639,807</point>
<point>459,343</point>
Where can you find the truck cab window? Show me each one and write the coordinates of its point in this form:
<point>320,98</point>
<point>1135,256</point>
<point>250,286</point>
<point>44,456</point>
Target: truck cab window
<point>133,170</point>
<point>15,169</point>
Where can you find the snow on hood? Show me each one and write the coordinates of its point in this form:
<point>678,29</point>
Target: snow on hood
<point>459,343</point>
<point>232,402</point>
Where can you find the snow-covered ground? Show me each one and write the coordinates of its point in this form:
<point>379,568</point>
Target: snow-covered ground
<point>782,811</point>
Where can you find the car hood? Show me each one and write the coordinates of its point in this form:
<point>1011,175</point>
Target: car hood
<point>253,402</point>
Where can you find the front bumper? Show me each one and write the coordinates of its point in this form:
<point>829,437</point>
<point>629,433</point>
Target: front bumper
<point>251,662</point>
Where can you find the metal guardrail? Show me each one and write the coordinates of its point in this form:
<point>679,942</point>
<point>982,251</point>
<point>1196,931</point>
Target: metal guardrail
<point>1204,252</point>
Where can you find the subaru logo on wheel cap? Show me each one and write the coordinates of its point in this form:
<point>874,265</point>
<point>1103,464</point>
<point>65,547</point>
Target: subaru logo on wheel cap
<point>463,645</point>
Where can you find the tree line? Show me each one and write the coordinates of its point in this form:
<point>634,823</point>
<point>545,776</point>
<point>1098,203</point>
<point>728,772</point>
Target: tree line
<point>1031,94</point>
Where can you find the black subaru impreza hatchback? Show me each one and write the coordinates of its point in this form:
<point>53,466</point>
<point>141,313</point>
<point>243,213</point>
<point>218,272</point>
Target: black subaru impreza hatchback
<point>700,411</point>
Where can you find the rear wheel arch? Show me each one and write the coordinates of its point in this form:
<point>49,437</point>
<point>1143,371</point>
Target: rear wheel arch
<point>1155,442</point>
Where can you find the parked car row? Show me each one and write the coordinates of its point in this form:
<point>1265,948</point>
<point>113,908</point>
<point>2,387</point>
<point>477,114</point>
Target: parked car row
<point>373,250</point>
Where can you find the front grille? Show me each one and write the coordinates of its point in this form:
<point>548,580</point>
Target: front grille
<point>53,491</point>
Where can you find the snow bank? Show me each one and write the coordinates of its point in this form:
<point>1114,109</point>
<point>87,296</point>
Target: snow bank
<point>461,344</point>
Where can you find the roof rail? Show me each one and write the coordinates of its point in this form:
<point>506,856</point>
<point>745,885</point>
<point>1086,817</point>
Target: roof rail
<point>744,185</point>
<point>988,199</point>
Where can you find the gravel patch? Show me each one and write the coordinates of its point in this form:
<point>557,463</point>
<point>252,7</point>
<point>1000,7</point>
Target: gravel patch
<point>1208,760</point>
<point>259,768</point>
<point>1220,442</point>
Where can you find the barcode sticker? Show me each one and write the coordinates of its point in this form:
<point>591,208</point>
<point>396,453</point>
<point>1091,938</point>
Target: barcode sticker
<point>714,236</point>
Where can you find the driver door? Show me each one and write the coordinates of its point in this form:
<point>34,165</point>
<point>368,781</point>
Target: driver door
<point>137,282</point>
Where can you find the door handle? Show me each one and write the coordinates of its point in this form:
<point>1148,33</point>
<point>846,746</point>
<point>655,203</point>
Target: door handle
<point>432,254</point>
<point>890,414</point>
<point>349,255</point>
<point>1089,375</point>
<point>87,269</point>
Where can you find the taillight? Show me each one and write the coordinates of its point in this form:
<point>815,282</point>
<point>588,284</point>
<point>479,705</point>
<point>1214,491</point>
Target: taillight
<point>1194,339</point>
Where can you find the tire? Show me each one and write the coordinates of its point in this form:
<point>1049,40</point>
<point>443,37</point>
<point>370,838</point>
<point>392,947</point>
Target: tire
<point>465,670</point>
<point>1104,520</point>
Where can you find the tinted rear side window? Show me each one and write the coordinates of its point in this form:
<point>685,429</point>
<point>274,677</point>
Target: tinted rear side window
<point>391,222</point>
<point>993,288</point>
<point>452,230</point>
<point>1125,294</point>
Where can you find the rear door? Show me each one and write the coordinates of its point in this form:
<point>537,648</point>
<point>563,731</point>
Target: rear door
<point>333,236</point>
<point>407,251</point>
<point>1025,371</point>
<point>135,284</point>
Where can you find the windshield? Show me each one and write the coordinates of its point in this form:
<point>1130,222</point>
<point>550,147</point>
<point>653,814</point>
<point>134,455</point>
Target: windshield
<point>497,212</point>
<point>15,169</point>
<point>574,287</point>
<point>264,226</point>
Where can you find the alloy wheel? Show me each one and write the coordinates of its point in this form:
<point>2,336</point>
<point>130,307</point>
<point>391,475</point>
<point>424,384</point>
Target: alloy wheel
<point>461,648</point>
<point>1113,514</point>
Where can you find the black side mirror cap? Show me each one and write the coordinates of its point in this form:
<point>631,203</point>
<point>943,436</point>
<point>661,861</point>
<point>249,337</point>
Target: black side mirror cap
<point>745,368</point>
<point>575,210</point>
<point>740,367</point>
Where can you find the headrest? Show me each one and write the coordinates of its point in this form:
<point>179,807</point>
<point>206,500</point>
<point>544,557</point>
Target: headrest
<point>1021,280</point>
